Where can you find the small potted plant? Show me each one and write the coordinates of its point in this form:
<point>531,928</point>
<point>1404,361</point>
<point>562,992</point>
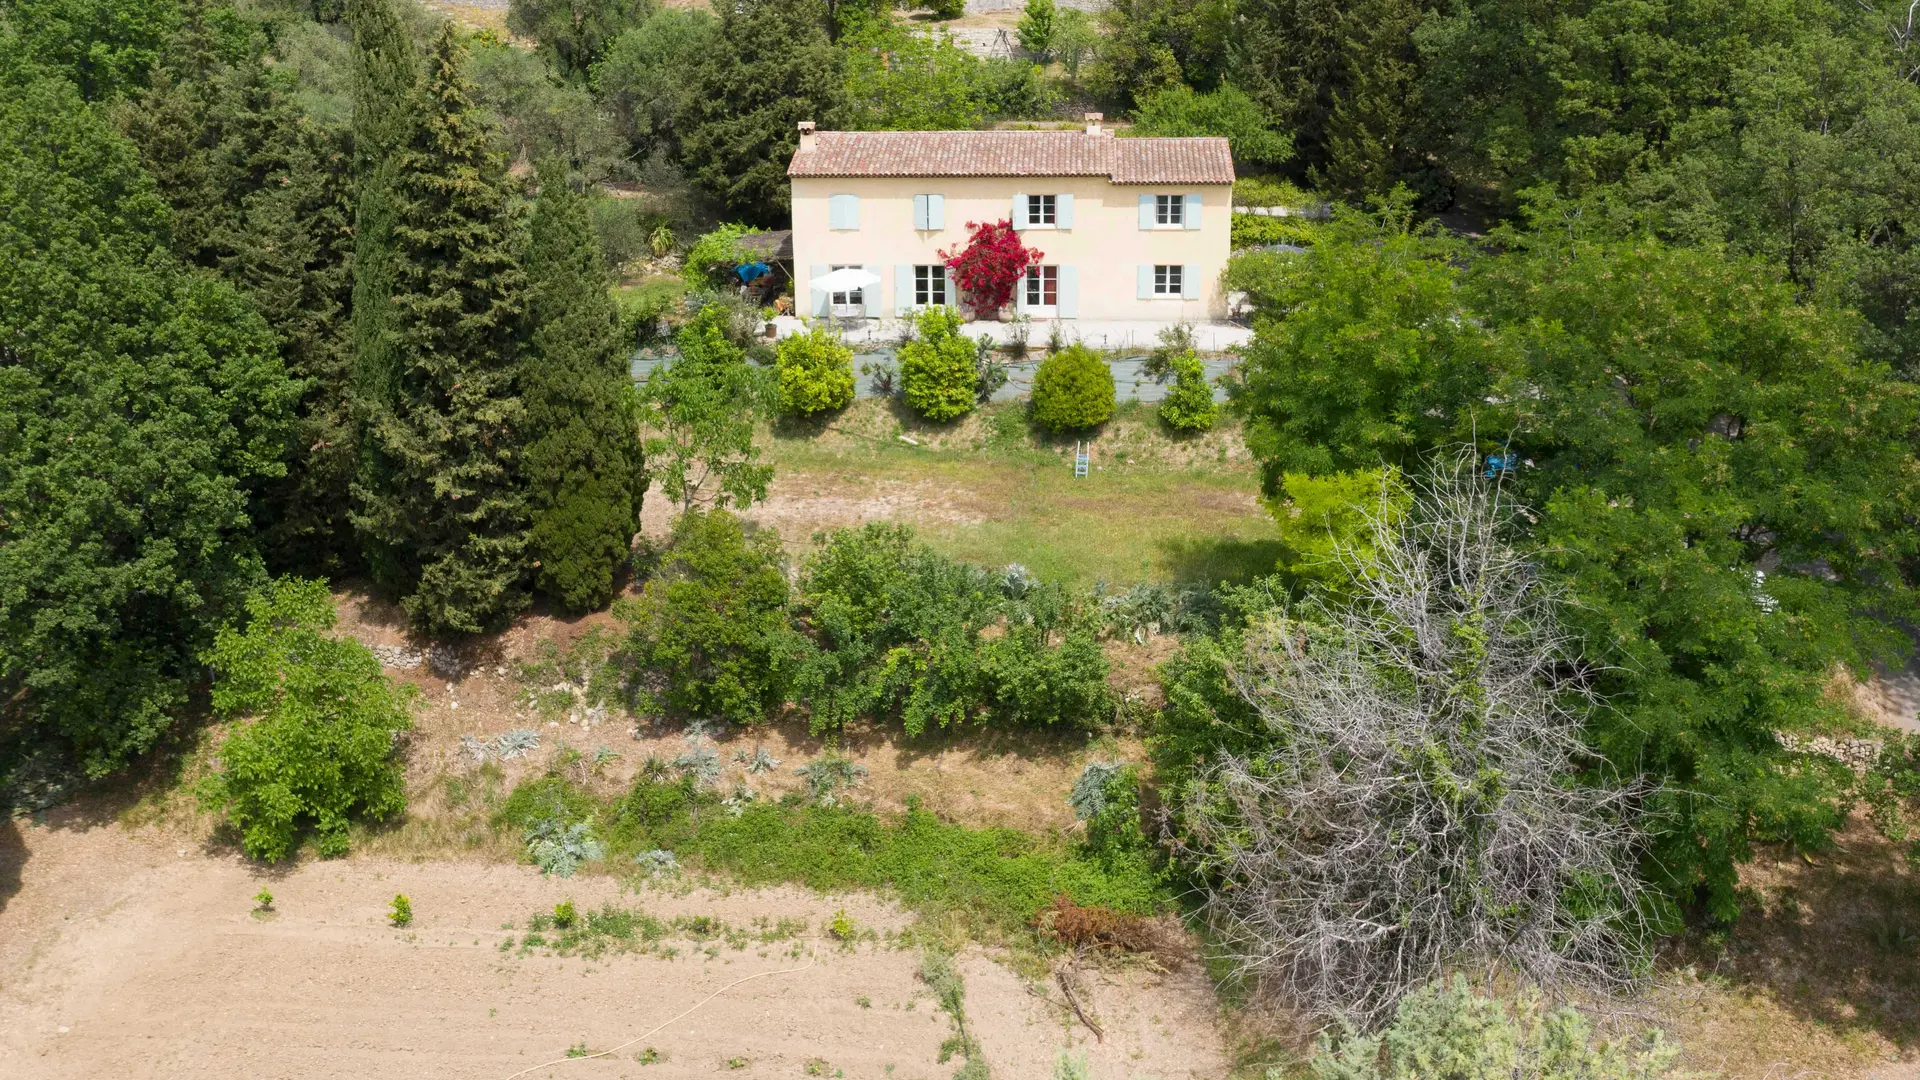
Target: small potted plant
<point>990,266</point>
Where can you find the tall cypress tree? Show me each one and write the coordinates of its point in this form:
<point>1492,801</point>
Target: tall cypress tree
<point>439,502</point>
<point>584,468</point>
<point>385,74</point>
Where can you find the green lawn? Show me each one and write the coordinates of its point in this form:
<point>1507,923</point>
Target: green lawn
<point>990,491</point>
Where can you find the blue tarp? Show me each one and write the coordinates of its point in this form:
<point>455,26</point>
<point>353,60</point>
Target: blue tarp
<point>749,271</point>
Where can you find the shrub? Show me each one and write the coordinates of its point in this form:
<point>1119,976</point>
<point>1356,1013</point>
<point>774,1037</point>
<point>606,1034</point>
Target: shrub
<point>1259,230</point>
<point>709,635</point>
<point>947,9</point>
<point>992,263</point>
<point>938,369</point>
<point>1036,28</point>
<point>400,912</point>
<point>1030,682</point>
<point>318,724</point>
<point>1072,390</point>
<point>816,373</point>
<point>711,260</point>
<point>1189,406</point>
<point>1448,1030</point>
<point>896,623</point>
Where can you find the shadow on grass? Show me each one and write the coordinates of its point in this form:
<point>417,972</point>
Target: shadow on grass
<point>1214,560</point>
<point>1833,938</point>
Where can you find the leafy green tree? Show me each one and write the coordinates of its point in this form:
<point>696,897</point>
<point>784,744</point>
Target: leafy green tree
<point>816,373</point>
<point>262,195</point>
<point>1189,406</point>
<point>314,745</point>
<point>575,33</point>
<point>712,259</point>
<point>1727,486</point>
<point>709,634</point>
<point>770,67</point>
<point>901,79</point>
<point>646,78</point>
<point>1037,27</point>
<point>105,46</point>
<point>1378,301</point>
<point>140,403</point>
<point>584,471</point>
<point>937,369</point>
<point>1150,45</point>
<point>1719,476</point>
<point>700,407</point>
<point>1227,112</point>
<point>542,117</point>
<point>440,503</point>
<point>1073,390</point>
<point>1075,38</point>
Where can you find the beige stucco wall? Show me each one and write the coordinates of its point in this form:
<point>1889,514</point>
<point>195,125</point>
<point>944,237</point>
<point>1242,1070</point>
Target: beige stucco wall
<point>1106,243</point>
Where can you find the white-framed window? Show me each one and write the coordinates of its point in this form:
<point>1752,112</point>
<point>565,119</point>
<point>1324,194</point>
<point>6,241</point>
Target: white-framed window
<point>848,302</point>
<point>1043,210</point>
<point>1043,286</point>
<point>1169,280</point>
<point>930,286</point>
<point>1170,210</point>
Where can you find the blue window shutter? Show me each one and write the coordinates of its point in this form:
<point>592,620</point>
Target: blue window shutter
<point>1190,281</point>
<point>1146,281</point>
<point>920,212</point>
<point>1069,292</point>
<point>1019,217</point>
<point>820,299</point>
<point>1192,215</point>
<point>902,289</point>
<point>1146,211</point>
<point>843,212</point>
<point>1020,295</point>
<point>870,296</point>
<point>1063,211</point>
<point>936,212</point>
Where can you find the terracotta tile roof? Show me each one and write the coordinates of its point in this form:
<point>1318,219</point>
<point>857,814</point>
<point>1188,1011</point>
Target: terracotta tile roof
<point>1016,153</point>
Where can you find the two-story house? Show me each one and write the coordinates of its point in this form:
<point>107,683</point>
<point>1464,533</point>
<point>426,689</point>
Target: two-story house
<point>1133,229</point>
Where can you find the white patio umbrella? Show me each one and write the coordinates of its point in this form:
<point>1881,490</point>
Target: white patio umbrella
<point>845,279</point>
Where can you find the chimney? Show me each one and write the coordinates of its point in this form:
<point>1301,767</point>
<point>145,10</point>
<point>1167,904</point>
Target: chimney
<point>806,135</point>
<point>1093,123</point>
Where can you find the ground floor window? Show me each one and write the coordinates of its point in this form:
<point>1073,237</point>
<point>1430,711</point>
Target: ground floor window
<point>1169,280</point>
<point>850,298</point>
<point>1043,286</point>
<point>930,286</point>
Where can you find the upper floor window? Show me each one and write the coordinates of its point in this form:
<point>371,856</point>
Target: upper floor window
<point>1169,280</point>
<point>1043,210</point>
<point>1043,286</point>
<point>1170,210</point>
<point>930,285</point>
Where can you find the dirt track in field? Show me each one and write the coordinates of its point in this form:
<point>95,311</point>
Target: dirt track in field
<point>123,956</point>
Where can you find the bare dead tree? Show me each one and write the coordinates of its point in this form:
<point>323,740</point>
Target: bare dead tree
<point>1417,812</point>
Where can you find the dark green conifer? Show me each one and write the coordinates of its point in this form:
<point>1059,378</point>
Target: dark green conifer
<point>260,194</point>
<point>584,471</point>
<point>439,502</point>
<point>385,74</point>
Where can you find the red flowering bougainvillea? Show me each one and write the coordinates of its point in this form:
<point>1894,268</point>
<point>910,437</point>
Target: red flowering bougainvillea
<point>991,264</point>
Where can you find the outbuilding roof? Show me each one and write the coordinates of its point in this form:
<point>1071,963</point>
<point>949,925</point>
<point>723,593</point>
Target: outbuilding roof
<point>1015,153</point>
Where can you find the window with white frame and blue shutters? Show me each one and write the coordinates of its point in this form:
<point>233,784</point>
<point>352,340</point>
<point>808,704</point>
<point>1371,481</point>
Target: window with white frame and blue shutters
<point>929,213</point>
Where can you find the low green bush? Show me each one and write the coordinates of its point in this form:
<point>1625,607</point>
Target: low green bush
<point>316,726</point>
<point>709,634</point>
<point>1189,405</point>
<point>1449,1031</point>
<point>816,373</point>
<point>938,369</point>
<point>1073,390</point>
<point>1032,681</point>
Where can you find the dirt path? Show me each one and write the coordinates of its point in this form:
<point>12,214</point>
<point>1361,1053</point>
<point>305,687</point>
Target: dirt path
<point>128,957</point>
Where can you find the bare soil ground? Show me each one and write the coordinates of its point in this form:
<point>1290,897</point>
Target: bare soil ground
<point>130,956</point>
